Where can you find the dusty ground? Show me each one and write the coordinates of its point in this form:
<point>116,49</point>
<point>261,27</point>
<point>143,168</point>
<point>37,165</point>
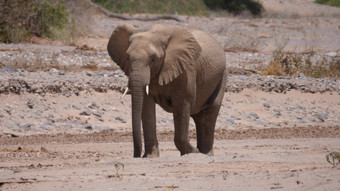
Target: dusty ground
<point>69,129</point>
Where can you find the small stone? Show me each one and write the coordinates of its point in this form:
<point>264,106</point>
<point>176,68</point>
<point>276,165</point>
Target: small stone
<point>8,109</point>
<point>120,119</point>
<point>253,115</point>
<point>301,75</point>
<point>311,119</point>
<point>88,127</point>
<point>321,116</point>
<point>331,54</point>
<point>30,104</point>
<point>100,119</point>
<point>93,105</point>
<point>67,106</point>
<point>86,113</point>
<point>261,122</point>
<point>97,113</point>
<point>277,112</point>
<point>230,120</point>
<point>76,107</point>
<point>26,126</point>
<point>61,72</point>
<point>266,105</point>
<point>53,71</point>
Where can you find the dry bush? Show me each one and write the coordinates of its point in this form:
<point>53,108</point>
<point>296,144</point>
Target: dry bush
<point>284,64</point>
<point>21,19</point>
<point>54,19</point>
<point>274,68</point>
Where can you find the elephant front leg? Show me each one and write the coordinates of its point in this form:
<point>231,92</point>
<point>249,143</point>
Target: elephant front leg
<point>149,127</point>
<point>181,120</point>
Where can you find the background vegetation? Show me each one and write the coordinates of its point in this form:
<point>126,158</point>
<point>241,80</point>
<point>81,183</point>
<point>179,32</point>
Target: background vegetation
<point>285,64</point>
<point>186,7</point>
<point>64,20</point>
<point>236,6</point>
<point>329,2</point>
<point>21,19</point>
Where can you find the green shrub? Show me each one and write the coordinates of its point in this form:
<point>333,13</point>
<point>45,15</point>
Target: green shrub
<point>329,2</point>
<point>21,19</point>
<point>235,6</point>
<point>186,7</point>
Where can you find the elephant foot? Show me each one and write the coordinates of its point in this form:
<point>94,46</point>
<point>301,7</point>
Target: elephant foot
<point>154,153</point>
<point>189,150</point>
<point>210,153</point>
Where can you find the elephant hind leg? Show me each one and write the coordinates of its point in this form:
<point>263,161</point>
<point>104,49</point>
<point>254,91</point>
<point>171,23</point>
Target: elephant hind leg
<point>205,120</point>
<point>205,127</point>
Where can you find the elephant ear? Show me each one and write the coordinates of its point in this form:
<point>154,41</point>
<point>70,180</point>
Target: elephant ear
<point>119,43</point>
<point>180,55</point>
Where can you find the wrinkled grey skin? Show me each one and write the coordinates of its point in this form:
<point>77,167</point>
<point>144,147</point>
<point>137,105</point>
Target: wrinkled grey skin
<point>185,71</point>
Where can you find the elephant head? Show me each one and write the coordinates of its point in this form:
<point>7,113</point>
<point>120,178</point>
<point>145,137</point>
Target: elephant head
<point>159,55</point>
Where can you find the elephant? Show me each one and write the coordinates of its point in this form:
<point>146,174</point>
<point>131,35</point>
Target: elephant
<point>180,68</point>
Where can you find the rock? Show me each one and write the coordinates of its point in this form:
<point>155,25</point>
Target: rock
<point>277,112</point>
<point>253,115</point>
<point>97,113</point>
<point>67,106</point>
<point>230,120</point>
<point>61,72</point>
<point>311,119</point>
<point>261,121</point>
<point>26,126</point>
<point>101,128</point>
<point>88,127</point>
<point>331,54</point>
<point>120,119</point>
<point>100,119</point>
<point>76,107</point>
<point>8,109</point>
<point>301,75</point>
<point>93,105</point>
<point>53,71</point>
<point>30,104</point>
<point>321,116</point>
<point>266,105</point>
<point>86,113</point>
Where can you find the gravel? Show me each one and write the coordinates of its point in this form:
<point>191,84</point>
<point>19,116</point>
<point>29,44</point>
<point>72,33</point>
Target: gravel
<point>103,81</point>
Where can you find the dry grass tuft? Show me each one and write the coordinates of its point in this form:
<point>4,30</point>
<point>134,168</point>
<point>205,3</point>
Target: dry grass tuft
<point>284,64</point>
<point>274,68</point>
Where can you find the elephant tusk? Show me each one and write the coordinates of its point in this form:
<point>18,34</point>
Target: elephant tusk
<point>126,90</point>
<point>147,90</point>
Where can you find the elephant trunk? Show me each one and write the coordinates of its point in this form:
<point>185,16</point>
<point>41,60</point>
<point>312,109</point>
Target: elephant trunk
<point>137,96</point>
